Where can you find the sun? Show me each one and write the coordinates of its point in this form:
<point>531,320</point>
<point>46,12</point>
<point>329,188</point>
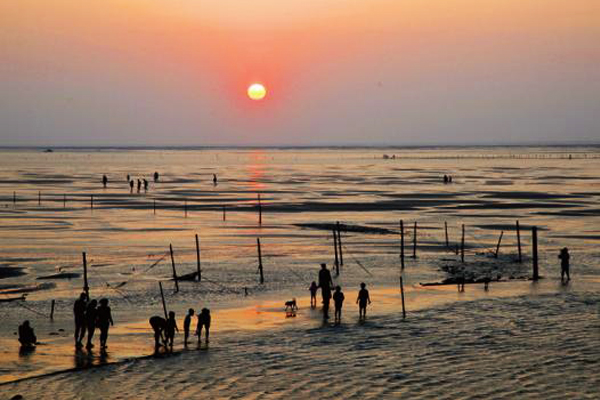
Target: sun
<point>257,91</point>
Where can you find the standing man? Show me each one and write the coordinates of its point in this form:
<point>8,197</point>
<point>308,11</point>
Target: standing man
<point>564,257</point>
<point>79,314</point>
<point>326,284</point>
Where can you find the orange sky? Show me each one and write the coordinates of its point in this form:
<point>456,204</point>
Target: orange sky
<point>150,55</point>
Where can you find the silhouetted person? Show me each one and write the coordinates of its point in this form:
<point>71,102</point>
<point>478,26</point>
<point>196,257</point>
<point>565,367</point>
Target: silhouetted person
<point>26,335</point>
<point>91,315</point>
<point>79,315</point>
<point>313,294</point>
<point>449,178</point>
<point>155,176</point>
<point>186,325</point>
<point>564,264</point>
<point>131,186</point>
<point>170,328</point>
<point>104,321</point>
<point>104,181</point>
<point>362,300</point>
<point>445,178</point>
<point>203,321</point>
<point>325,283</point>
<point>338,301</point>
<point>158,324</point>
<point>139,185</point>
<point>145,185</point>
<point>215,179</point>
<point>128,178</point>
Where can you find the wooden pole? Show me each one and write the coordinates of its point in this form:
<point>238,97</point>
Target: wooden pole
<point>335,248</point>
<point>402,294</point>
<point>198,258</point>
<point>462,245</point>
<point>185,208</point>
<point>402,244</point>
<point>519,241</point>
<point>174,271</point>
<point>86,287</point>
<point>154,205</point>
<point>498,246</point>
<point>446,231</point>
<point>39,198</point>
<point>92,201</point>
<point>339,236</point>
<point>260,265</point>
<point>52,309</point>
<point>224,217</point>
<point>259,211</point>
<point>14,198</point>
<point>162,295</point>
<point>415,241</point>
<point>535,253</point>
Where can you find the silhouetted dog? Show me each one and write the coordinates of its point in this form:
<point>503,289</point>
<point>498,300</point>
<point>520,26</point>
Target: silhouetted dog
<point>291,305</point>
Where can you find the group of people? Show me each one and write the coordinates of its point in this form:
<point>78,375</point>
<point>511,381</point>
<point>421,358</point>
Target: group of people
<point>447,178</point>
<point>164,329</point>
<point>326,286</point>
<point>89,315</point>
<point>139,183</point>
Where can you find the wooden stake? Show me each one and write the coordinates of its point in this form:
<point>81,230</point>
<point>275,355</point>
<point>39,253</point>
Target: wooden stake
<point>259,211</point>
<point>39,198</point>
<point>224,217</point>
<point>174,271</point>
<point>185,208</point>
<point>260,265</point>
<point>536,275</point>
<point>162,295</point>
<point>154,205</point>
<point>86,287</point>
<point>14,197</point>
<point>198,259</point>
<point>335,249</point>
<point>446,230</point>
<point>92,201</point>
<point>402,244</point>
<point>462,245</point>
<point>415,241</point>
<point>498,246</point>
<point>402,294</point>
<point>519,241</point>
<point>52,309</point>
<point>339,236</point>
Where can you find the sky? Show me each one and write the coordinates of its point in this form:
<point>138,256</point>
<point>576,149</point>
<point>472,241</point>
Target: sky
<point>337,72</point>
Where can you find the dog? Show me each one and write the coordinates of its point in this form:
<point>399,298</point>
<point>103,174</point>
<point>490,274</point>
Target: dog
<point>291,305</point>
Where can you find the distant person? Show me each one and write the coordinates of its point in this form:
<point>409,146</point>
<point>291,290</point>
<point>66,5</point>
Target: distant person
<point>313,294</point>
<point>91,315</point>
<point>170,328</point>
<point>564,257</point>
<point>215,179</point>
<point>362,300</point>
<point>449,178</point>
<point>26,335</point>
<point>186,326</point>
<point>158,325</point>
<point>326,284</point>
<point>131,186</point>
<point>104,181</point>
<point>104,319</point>
<point>139,185</point>
<point>128,178</point>
<point>445,178</point>
<point>79,315</point>
<point>203,322</point>
<point>338,301</point>
<point>155,176</point>
<point>145,185</point>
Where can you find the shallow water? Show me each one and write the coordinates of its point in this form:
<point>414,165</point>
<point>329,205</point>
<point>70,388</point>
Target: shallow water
<point>47,220</point>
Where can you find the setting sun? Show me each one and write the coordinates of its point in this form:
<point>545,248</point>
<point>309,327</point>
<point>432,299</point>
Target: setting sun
<point>256,91</point>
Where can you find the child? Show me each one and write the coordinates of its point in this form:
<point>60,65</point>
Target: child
<point>338,300</point>
<point>186,325</point>
<point>203,321</point>
<point>171,328</point>
<point>26,335</point>
<point>362,300</point>
<point>313,294</point>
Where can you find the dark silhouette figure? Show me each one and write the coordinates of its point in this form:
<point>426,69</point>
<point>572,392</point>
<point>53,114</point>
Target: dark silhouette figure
<point>104,181</point>
<point>26,335</point>
<point>313,294</point>
<point>564,257</point>
<point>159,325</point>
<point>79,315</point>
<point>186,326</point>
<point>203,321</point>
<point>91,315</point>
<point>139,185</point>
<point>445,178</point>
<point>145,185</point>
<point>449,178</point>
<point>325,283</point>
<point>104,321</point>
<point>170,328</point>
<point>131,186</point>
<point>215,179</point>
<point>128,178</point>
<point>155,176</point>
<point>362,300</point>
<point>338,301</point>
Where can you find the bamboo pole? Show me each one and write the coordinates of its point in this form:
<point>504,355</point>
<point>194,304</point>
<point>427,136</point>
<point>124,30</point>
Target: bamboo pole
<point>260,264</point>
<point>446,231</point>
<point>402,244</point>
<point>339,235</point>
<point>86,287</point>
<point>174,271</point>
<point>335,249</point>
<point>52,309</point>
<point>415,241</point>
<point>536,275</point>
<point>259,211</point>
<point>462,245</point>
<point>224,215</point>
<point>402,294</point>
<point>92,201</point>
<point>162,295</point>
<point>519,241</point>
<point>198,259</point>
<point>498,246</point>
